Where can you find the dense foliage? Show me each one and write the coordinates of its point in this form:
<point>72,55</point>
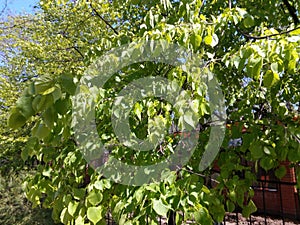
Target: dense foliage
<point>252,47</point>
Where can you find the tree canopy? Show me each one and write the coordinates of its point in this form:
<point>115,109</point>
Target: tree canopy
<point>251,47</point>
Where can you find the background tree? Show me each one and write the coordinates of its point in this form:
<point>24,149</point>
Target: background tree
<point>12,81</point>
<point>253,51</point>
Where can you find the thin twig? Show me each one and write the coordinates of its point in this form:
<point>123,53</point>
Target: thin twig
<point>77,50</point>
<point>296,138</point>
<point>202,3</point>
<point>5,6</point>
<point>21,24</point>
<point>266,36</point>
<point>107,23</point>
<point>199,174</point>
<point>69,48</point>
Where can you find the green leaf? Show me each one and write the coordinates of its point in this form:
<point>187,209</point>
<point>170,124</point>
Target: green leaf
<point>254,66</point>
<point>42,85</point>
<point>235,19</point>
<point>62,106</point>
<point>208,40</point>
<point>160,208</point>
<point>42,102</point>
<point>65,217</point>
<point>24,154</point>
<point>195,40</point>
<point>135,2</point>
<point>202,217</point>
<point>138,108</point>
<point>248,21</point>
<point>219,212</point>
<point>68,84</point>
<point>99,185</point>
<point>256,150</point>
<point>295,32</point>
<point>294,154</point>
<point>78,193</point>
<point>232,195</point>
<point>24,104</point>
<point>30,90</point>
<point>79,221</point>
<point>242,12</point>
<point>36,101</point>
<point>94,214</point>
<point>169,176</point>
<point>48,91</point>
<point>95,197</point>
<point>72,207</point>
<point>274,67</point>
<point>267,163</point>
<point>49,117</point>
<point>211,40</point>
<point>151,19</point>
<point>249,209</point>
<point>292,65</point>
<point>139,194</point>
<point>280,172</point>
<point>118,209</point>
<point>47,172</point>
<point>230,206</point>
<point>50,43</point>
<point>56,94</point>
<point>270,78</point>
<point>236,61</point>
<point>16,119</point>
<point>267,150</point>
<point>40,131</point>
<point>191,119</point>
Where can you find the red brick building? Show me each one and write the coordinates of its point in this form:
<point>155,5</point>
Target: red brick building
<point>278,197</point>
<point>274,196</point>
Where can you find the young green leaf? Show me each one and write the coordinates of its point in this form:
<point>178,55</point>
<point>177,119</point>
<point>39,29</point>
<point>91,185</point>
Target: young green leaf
<point>95,197</point>
<point>94,214</point>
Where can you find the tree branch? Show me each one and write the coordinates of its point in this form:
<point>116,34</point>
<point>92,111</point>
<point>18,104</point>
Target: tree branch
<point>5,5</point>
<point>266,36</point>
<point>292,11</point>
<point>69,48</point>
<point>20,25</point>
<point>107,23</point>
<point>77,50</point>
<point>198,174</point>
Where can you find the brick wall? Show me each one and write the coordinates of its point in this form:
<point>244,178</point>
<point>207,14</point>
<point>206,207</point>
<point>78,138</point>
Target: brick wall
<point>284,200</point>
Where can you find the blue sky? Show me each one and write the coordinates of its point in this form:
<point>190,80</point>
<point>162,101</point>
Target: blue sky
<point>18,6</point>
